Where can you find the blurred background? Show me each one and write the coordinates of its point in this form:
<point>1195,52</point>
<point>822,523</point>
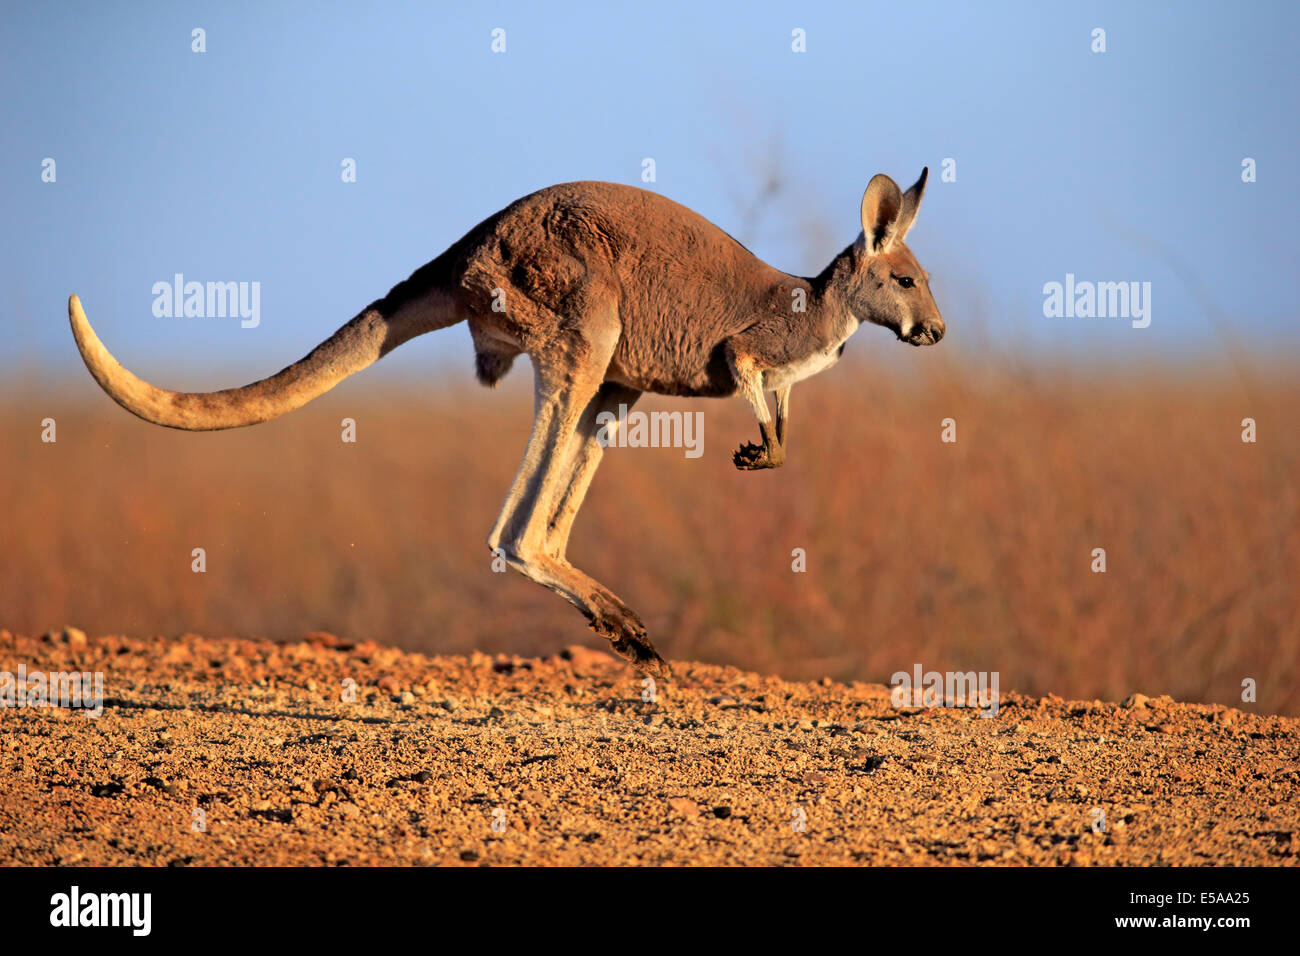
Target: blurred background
<point>1072,433</point>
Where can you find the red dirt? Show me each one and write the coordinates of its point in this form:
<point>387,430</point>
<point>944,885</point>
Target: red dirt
<point>574,767</point>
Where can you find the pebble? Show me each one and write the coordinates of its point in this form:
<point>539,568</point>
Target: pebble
<point>581,656</point>
<point>684,807</point>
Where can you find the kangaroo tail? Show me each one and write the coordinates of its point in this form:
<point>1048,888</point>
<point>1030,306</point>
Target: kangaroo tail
<point>382,327</point>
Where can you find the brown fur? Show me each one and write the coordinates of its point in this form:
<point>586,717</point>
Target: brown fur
<point>611,291</point>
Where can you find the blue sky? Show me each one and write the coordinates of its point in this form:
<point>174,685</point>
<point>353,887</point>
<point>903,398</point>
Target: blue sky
<point>225,165</point>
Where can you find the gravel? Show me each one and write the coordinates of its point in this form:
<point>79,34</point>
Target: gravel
<point>219,752</point>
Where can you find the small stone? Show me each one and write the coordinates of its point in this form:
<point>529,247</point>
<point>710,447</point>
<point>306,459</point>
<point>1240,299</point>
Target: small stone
<point>321,639</point>
<point>684,807</point>
<point>1136,701</point>
<point>581,656</point>
<point>74,637</point>
<point>389,684</point>
<point>176,653</point>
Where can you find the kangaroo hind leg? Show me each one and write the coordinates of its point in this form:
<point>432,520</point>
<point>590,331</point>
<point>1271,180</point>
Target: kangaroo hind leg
<point>565,389</point>
<point>586,451</point>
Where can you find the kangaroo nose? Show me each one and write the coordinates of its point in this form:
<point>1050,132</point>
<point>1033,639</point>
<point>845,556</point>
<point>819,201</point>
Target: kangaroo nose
<point>936,330</point>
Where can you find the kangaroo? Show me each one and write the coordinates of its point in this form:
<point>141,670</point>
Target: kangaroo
<point>611,291</point>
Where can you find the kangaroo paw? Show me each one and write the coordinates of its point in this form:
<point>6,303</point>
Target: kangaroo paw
<point>751,457</point>
<point>745,456</point>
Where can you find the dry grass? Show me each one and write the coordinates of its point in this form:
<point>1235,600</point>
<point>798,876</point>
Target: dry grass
<point>967,556</point>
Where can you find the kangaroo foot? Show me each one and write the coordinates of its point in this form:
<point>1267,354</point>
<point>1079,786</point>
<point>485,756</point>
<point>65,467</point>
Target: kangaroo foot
<point>619,625</point>
<point>751,457</point>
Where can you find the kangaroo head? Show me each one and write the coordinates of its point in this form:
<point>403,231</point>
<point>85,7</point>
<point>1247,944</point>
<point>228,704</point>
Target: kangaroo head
<point>886,285</point>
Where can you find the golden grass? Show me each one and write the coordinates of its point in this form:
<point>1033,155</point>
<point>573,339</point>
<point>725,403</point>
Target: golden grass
<point>967,556</point>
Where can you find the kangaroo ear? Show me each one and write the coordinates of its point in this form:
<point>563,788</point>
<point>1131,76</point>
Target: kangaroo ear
<point>882,204</point>
<point>911,203</point>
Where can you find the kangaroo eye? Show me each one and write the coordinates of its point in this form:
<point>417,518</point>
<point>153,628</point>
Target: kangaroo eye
<point>905,281</point>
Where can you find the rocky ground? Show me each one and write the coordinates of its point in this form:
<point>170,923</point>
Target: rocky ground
<point>245,752</point>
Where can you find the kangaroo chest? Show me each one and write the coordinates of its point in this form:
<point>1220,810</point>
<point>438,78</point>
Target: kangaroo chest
<point>819,360</point>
